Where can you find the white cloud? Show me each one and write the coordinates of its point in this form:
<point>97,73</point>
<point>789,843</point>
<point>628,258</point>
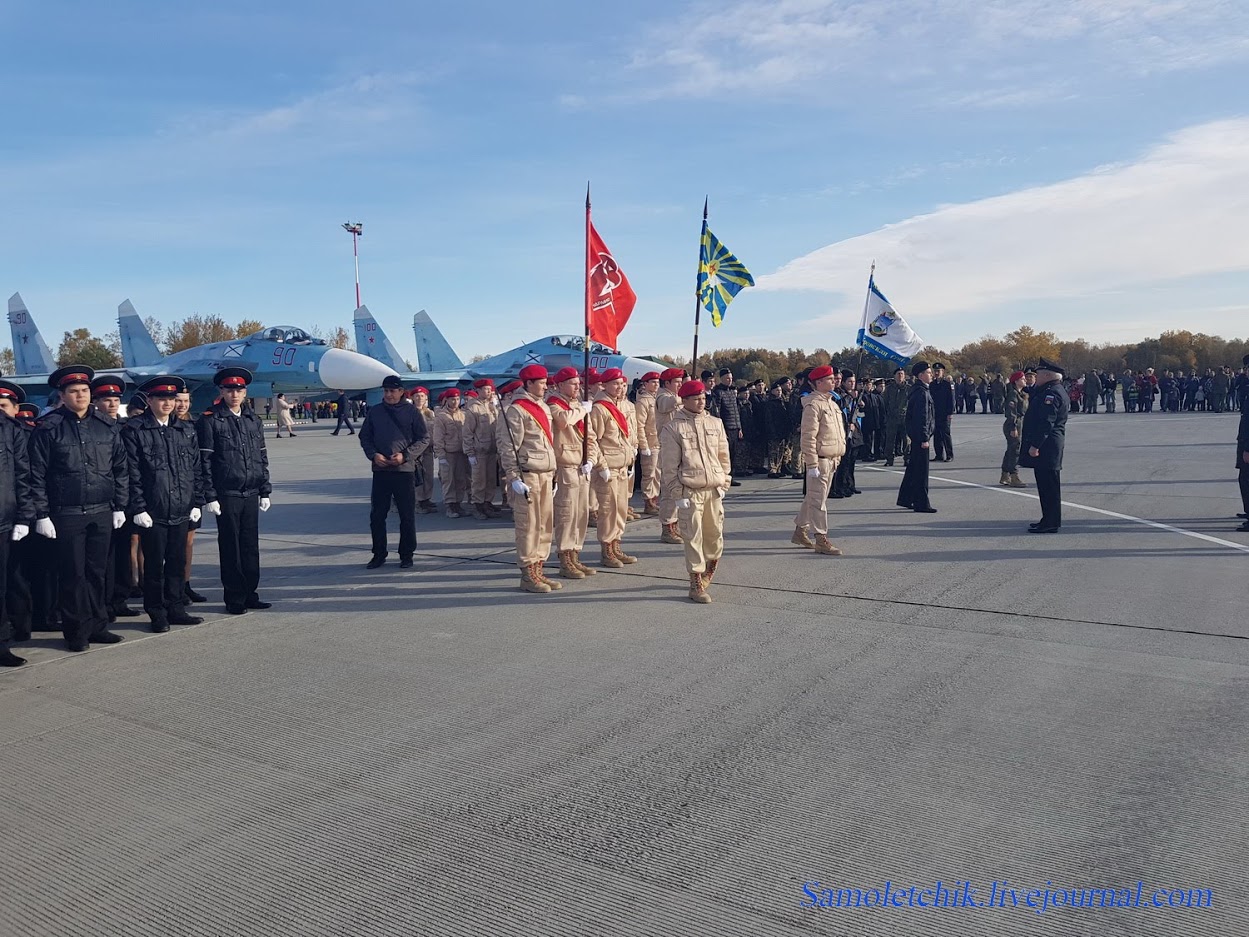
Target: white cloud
<point>1181,210</point>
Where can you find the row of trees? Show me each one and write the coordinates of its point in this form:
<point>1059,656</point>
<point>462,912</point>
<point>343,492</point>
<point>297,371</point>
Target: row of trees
<point>1173,350</point>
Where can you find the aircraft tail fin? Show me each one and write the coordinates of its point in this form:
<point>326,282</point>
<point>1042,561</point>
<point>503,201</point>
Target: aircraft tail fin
<point>372,342</point>
<point>31,354</point>
<point>433,353</point>
<point>137,348</point>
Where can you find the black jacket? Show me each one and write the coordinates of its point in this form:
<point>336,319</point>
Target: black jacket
<point>1045,426</point>
<point>232,448</point>
<point>76,466</point>
<point>942,393</point>
<point>166,473</point>
<point>723,404</point>
<point>1242,438</point>
<point>921,418</point>
<point>15,506</point>
<point>391,429</point>
<point>774,416</point>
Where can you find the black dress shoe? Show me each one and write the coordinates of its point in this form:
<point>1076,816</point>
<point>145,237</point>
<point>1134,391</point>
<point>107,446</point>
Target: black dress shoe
<point>185,619</point>
<point>193,595</point>
<point>9,659</point>
<point>256,603</point>
<point>236,609</point>
<point>909,507</point>
<point>1042,530</point>
<point>159,627</point>
<point>375,562</point>
<point>125,611</point>
<point>106,637</point>
<point>774,474</point>
<point>76,646</point>
<point>136,592</point>
<point>855,491</point>
<point>405,562</point>
<point>938,459</point>
<point>925,510</point>
<point>1035,524</point>
<point>1243,527</point>
<point>888,462</point>
<point>735,484</point>
<point>1242,516</point>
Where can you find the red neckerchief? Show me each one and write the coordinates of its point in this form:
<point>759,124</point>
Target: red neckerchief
<point>563,405</point>
<point>616,415</point>
<point>535,411</point>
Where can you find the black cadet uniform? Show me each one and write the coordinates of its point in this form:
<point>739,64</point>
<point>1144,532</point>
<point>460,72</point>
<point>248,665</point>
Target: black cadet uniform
<point>921,420</point>
<point>237,477</point>
<point>393,430</point>
<point>942,393</point>
<point>166,485</point>
<point>1044,429</point>
<point>15,511</point>
<point>78,481</point>
<point>18,594</point>
<point>117,571</point>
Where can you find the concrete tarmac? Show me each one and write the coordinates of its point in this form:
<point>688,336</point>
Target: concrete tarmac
<point>433,752</point>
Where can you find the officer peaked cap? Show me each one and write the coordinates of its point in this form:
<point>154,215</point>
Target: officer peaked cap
<point>71,375</point>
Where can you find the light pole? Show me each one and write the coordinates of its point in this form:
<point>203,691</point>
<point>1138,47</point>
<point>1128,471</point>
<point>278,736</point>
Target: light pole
<point>357,231</point>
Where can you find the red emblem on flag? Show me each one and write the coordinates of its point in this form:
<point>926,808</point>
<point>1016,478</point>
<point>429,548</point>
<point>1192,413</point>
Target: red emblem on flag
<point>611,297</point>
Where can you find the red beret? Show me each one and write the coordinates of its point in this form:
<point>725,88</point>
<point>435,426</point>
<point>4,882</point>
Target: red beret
<point>692,389</point>
<point>449,392</point>
<point>472,393</point>
<point>419,390</point>
<point>671,374</point>
<point>564,374</point>
<point>651,376</point>
<point>612,374</point>
<point>509,387</point>
<point>1016,376</point>
<point>593,377</point>
<point>821,372</point>
<point>483,382</point>
<point>533,372</point>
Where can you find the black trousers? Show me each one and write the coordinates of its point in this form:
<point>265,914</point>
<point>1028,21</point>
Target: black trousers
<point>399,487</point>
<point>16,592</point>
<point>238,546</point>
<point>843,478</point>
<point>81,546</point>
<point>44,579</point>
<point>1049,490</point>
<point>344,419</point>
<point>117,570</point>
<point>914,490</point>
<point>6,627</point>
<point>942,441</point>
<point>164,561</point>
<point>1244,488</point>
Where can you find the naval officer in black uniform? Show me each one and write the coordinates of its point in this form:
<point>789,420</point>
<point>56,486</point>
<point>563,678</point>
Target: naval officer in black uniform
<point>106,394</point>
<point>921,422</point>
<point>232,444</point>
<point>1042,440</point>
<point>16,515</point>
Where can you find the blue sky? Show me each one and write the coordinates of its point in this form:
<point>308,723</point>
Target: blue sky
<point>1077,166</point>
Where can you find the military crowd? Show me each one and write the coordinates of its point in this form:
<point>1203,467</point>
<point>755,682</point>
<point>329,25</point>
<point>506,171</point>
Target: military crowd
<point>95,507</point>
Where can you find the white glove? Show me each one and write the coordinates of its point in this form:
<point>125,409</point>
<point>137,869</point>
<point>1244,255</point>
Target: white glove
<point>724,492</point>
<point>265,504</point>
<point>605,474</point>
<point>472,460</point>
<point>813,472</point>
<point>629,472</point>
<point>683,503</point>
<point>143,520</point>
<point>214,508</point>
<point>576,416</point>
<point>520,487</point>
<point>587,469</point>
<point>587,406</point>
<point>119,519</point>
<point>45,528</point>
<point>19,532</point>
<point>196,514</point>
<point>646,453</point>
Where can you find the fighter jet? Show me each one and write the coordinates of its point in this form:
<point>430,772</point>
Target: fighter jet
<point>438,366</point>
<point>282,359</point>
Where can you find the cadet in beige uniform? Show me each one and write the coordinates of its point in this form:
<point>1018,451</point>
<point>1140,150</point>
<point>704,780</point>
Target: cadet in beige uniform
<point>449,451</point>
<point>481,449</point>
<point>419,397</point>
<point>694,474</point>
<point>648,441</point>
<point>527,454</point>
<point>593,379</point>
<point>614,425</point>
<point>574,459</point>
<point>666,405</point>
<point>823,445</point>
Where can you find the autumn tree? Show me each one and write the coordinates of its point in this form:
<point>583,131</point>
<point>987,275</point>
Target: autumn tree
<point>81,347</point>
<point>8,364</point>
<point>340,339</point>
<point>248,327</point>
<point>197,330</point>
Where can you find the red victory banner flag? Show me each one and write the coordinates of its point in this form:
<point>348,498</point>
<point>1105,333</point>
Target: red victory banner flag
<point>609,296</point>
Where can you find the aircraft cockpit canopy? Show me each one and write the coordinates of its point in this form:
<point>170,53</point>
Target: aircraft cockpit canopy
<point>286,334</point>
<point>577,343</point>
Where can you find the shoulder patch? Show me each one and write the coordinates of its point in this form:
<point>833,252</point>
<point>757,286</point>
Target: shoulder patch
<point>1049,398</point>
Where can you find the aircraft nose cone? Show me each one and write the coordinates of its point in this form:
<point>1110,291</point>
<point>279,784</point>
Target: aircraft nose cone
<point>347,370</point>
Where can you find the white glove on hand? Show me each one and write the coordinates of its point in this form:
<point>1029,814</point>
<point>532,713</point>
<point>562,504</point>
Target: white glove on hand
<point>587,469</point>
<point>196,514</point>
<point>119,519</point>
<point>45,528</point>
<point>605,474</point>
<point>213,508</point>
<point>683,503</point>
<point>629,472</point>
<point>813,472</point>
<point>472,460</point>
<point>20,531</point>
<point>265,504</point>
<point>587,406</point>
<point>520,487</point>
<point>646,452</point>
<point>143,520</point>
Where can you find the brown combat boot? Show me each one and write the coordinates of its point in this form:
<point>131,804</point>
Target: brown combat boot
<point>825,546</point>
<point>630,514</point>
<point>539,572</point>
<point>651,508</point>
<point>621,555</point>
<point>529,583</point>
<point>800,537</point>
<point>711,571</point>
<point>490,509</point>
<point>698,591</point>
<point>1005,479</point>
<point>1016,481</point>
<point>593,522</point>
<point>568,567</point>
<point>670,533</point>
<point>453,509</point>
<point>428,507</point>
<point>576,558</point>
<point>480,514</point>
<point>608,557</point>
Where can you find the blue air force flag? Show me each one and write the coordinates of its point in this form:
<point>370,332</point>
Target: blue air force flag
<point>884,333</point>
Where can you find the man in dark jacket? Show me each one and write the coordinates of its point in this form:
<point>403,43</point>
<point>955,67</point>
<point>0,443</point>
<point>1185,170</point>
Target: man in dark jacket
<point>942,392</point>
<point>921,420</point>
<point>166,494</point>
<point>776,428</point>
<point>1042,441</point>
<point>1242,450</point>
<point>722,403</point>
<point>896,395</point>
<point>1015,405</point>
<point>391,436</point>
<point>237,489</point>
<point>78,481</point>
<point>343,406</point>
<point>16,514</point>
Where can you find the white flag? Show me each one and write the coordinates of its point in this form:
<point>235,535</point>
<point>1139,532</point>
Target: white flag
<point>885,333</point>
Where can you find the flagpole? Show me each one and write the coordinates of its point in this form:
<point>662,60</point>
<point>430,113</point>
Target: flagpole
<point>863,328</point>
<point>585,379</point>
<point>698,306</point>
